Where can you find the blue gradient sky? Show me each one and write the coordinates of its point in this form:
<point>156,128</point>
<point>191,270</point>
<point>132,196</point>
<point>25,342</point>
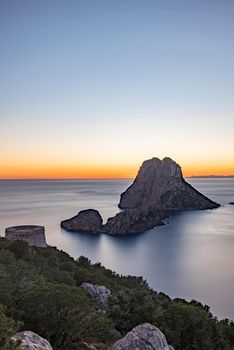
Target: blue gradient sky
<point>92,88</point>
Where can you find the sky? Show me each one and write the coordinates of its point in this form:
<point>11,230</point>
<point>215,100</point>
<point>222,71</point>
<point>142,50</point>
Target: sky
<point>92,88</point>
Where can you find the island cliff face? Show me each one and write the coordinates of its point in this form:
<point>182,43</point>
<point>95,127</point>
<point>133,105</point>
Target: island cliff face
<point>160,186</point>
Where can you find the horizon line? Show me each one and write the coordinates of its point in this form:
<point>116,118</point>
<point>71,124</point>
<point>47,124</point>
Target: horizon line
<point>66,178</point>
<point>107,178</point>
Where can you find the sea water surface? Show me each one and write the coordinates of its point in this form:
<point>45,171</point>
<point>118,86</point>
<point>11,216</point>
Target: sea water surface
<point>191,257</point>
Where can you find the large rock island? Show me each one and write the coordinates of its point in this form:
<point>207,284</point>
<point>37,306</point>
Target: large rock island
<point>158,189</point>
<point>160,185</point>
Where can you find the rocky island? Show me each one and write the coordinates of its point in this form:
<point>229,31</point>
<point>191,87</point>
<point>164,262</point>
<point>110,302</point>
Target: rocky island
<point>86,220</point>
<point>160,185</point>
<point>158,189</point>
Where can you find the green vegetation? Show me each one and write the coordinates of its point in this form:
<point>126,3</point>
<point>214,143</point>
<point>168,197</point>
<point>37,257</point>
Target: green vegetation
<point>7,328</point>
<point>40,291</point>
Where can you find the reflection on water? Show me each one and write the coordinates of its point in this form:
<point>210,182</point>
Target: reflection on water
<point>191,257</point>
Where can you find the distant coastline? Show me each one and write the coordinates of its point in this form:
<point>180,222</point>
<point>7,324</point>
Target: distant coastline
<point>71,179</point>
<point>209,176</point>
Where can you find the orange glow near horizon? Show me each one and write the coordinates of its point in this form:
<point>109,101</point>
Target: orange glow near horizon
<point>70,173</point>
<point>104,172</point>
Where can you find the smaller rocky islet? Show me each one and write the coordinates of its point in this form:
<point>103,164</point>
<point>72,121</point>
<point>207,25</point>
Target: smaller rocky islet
<point>158,189</point>
<point>86,220</point>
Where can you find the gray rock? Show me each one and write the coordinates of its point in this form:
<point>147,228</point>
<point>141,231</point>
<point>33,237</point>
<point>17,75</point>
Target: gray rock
<point>143,337</point>
<point>133,221</point>
<point>101,293</point>
<point>32,341</point>
<point>88,220</point>
<point>160,186</point>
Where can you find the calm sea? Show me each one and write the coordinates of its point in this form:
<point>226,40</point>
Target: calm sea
<point>191,257</point>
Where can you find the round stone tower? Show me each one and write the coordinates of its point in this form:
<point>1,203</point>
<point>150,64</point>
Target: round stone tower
<point>33,235</point>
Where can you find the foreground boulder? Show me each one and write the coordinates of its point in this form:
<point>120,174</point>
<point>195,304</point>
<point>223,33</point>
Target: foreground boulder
<point>101,293</point>
<point>32,341</point>
<point>160,185</point>
<point>133,221</point>
<point>86,220</point>
<point>143,337</point>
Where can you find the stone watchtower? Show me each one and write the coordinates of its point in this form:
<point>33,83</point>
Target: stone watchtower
<point>33,235</point>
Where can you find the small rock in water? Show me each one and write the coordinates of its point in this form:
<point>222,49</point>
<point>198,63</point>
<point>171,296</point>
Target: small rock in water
<point>88,220</point>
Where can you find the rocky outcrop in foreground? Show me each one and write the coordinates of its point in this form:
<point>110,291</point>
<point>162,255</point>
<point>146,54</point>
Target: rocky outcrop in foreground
<point>32,341</point>
<point>160,185</point>
<point>143,337</point>
<point>86,220</point>
<point>133,221</point>
<point>158,189</point>
<point>101,293</point>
